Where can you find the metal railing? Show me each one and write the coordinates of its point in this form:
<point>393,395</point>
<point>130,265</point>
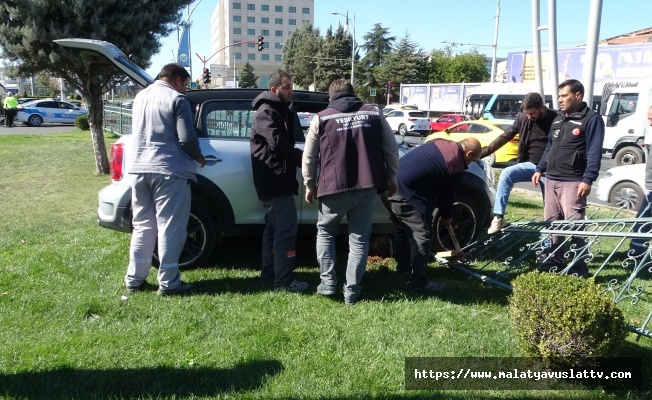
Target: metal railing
<point>117,119</point>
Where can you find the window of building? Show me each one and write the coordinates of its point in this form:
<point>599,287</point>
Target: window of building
<point>251,31</point>
<point>278,57</point>
<point>278,33</point>
<point>237,6</point>
<point>278,45</point>
<point>251,7</point>
<point>264,20</point>
<point>264,7</point>
<point>278,8</point>
<point>305,10</point>
<point>251,44</point>
<point>237,56</point>
<point>251,19</point>
<point>264,83</point>
<point>237,31</point>
<point>251,56</point>
<point>305,21</point>
<point>293,21</point>
<point>293,10</point>
<point>237,18</point>
<point>278,21</point>
<point>236,45</point>
<point>264,32</point>
<point>265,57</point>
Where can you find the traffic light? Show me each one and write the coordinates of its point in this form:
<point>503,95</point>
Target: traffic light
<point>261,44</point>
<point>206,75</point>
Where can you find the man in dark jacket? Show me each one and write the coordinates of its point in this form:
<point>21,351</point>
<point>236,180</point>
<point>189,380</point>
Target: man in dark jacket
<point>427,179</point>
<point>274,161</point>
<point>359,159</point>
<point>571,162</point>
<point>532,126</point>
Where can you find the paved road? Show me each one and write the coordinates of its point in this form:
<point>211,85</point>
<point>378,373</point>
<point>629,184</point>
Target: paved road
<point>20,129</point>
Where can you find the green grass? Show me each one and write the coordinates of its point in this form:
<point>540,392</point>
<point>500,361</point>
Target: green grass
<point>66,332</point>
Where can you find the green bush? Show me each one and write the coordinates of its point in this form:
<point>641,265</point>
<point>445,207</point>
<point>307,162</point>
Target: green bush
<point>81,122</point>
<point>561,317</point>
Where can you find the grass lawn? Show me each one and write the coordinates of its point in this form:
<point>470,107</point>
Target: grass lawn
<point>68,331</point>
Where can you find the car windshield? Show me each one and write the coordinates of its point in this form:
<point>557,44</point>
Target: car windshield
<point>417,114</point>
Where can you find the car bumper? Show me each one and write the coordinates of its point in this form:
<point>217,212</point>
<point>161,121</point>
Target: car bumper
<point>114,208</point>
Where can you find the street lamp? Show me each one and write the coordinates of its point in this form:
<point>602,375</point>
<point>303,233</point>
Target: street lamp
<point>186,36</point>
<point>353,41</point>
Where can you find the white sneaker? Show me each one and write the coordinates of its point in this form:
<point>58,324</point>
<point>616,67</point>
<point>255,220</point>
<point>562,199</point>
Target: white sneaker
<point>497,224</point>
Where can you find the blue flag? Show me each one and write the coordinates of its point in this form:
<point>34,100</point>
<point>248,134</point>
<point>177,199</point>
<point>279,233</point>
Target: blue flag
<point>183,55</point>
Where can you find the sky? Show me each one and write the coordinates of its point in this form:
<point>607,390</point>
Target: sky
<point>434,24</point>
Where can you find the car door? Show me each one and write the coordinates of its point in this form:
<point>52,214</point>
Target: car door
<point>394,119</point>
<point>47,110</point>
<point>66,113</point>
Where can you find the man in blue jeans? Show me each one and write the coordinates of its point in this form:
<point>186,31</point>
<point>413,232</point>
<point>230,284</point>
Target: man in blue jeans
<point>359,159</point>
<point>533,125</point>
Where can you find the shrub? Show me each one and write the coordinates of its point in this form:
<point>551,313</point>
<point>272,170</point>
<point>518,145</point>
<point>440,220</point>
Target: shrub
<point>78,97</point>
<point>81,122</point>
<point>561,317</point>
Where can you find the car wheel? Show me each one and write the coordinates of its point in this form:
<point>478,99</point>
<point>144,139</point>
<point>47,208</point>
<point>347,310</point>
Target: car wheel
<point>402,129</point>
<point>629,155</point>
<point>34,120</point>
<point>627,195</point>
<point>465,224</point>
<point>200,241</point>
<point>490,160</point>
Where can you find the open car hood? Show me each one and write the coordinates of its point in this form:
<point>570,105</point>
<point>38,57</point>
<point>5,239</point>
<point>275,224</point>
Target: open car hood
<point>101,52</point>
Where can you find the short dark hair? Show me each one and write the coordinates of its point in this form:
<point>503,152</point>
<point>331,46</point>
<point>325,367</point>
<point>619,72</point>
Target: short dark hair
<point>340,86</point>
<point>276,78</point>
<point>532,100</point>
<point>173,71</point>
<point>574,86</point>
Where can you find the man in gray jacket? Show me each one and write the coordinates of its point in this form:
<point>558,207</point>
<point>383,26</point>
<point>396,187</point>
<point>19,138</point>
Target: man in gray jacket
<point>161,165</point>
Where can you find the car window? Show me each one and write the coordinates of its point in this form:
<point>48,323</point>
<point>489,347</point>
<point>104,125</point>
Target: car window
<point>417,114</point>
<point>67,106</point>
<point>451,119</point>
<point>461,128</point>
<point>443,119</point>
<point>227,119</point>
<point>46,104</point>
<point>475,128</point>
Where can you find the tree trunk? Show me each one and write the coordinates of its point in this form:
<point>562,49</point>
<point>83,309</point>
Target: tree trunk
<point>96,122</point>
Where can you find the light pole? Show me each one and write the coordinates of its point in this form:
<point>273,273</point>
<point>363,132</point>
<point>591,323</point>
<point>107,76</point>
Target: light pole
<point>186,36</point>
<point>352,42</point>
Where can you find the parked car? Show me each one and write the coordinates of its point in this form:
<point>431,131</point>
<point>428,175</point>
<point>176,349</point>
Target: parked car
<point>22,100</point>
<point>446,120</point>
<point>485,131</point>
<point>623,186</point>
<point>387,109</point>
<point>49,111</point>
<point>77,103</point>
<point>224,201</point>
<point>404,121</point>
<point>305,118</point>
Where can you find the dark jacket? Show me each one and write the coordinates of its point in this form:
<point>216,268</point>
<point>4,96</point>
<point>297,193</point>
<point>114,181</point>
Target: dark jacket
<point>350,146</point>
<point>532,140</point>
<point>274,159</point>
<point>574,149</point>
<point>428,176</point>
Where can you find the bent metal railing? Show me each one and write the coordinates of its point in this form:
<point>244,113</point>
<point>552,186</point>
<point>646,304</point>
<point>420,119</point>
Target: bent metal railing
<point>526,246</point>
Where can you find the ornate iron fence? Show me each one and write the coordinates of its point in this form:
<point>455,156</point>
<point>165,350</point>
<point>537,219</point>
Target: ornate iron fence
<point>117,119</point>
<point>604,246</point>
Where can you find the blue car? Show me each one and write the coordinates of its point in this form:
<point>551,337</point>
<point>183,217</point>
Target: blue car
<point>50,111</point>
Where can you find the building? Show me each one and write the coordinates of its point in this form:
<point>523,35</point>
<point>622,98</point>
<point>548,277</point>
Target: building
<point>236,26</point>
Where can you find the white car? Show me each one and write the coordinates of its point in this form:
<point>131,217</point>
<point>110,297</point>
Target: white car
<point>305,118</point>
<point>404,121</point>
<point>36,112</point>
<point>623,186</point>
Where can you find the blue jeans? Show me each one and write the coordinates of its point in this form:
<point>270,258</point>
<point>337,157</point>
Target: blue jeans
<point>358,207</point>
<point>279,240</point>
<point>645,211</point>
<point>412,232</point>
<point>521,172</point>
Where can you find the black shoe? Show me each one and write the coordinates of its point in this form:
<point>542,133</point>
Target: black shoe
<point>134,289</point>
<point>182,288</point>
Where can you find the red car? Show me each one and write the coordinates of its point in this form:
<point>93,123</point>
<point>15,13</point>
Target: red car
<point>446,120</point>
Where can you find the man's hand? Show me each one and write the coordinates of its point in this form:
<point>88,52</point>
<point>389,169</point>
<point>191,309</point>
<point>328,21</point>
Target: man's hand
<point>535,178</point>
<point>583,189</point>
<point>391,189</point>
<point>311,194</point>
<point>201,160</point>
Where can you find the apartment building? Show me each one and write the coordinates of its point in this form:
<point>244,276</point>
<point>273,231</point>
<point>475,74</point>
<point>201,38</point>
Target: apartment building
<point>237,24</point>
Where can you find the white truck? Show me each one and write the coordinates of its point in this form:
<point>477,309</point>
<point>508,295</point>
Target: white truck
<point>625,119</point>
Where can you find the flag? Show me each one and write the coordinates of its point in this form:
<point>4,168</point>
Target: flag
<point>183,55</point>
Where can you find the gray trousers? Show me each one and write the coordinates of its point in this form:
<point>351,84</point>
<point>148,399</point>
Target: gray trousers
<point>161,208</point>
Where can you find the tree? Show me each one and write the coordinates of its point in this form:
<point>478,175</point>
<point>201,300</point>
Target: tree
<point>28,28</point>
<point>445,67</point>
<point>406,64</point>
<point>247,77</point>
<point>299,54</point>
<point>377,44</point>
<point>334,59</point>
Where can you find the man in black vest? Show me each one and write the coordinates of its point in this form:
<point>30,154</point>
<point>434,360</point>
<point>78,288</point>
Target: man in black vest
<point>571,162</point>
<point>359,159</point>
